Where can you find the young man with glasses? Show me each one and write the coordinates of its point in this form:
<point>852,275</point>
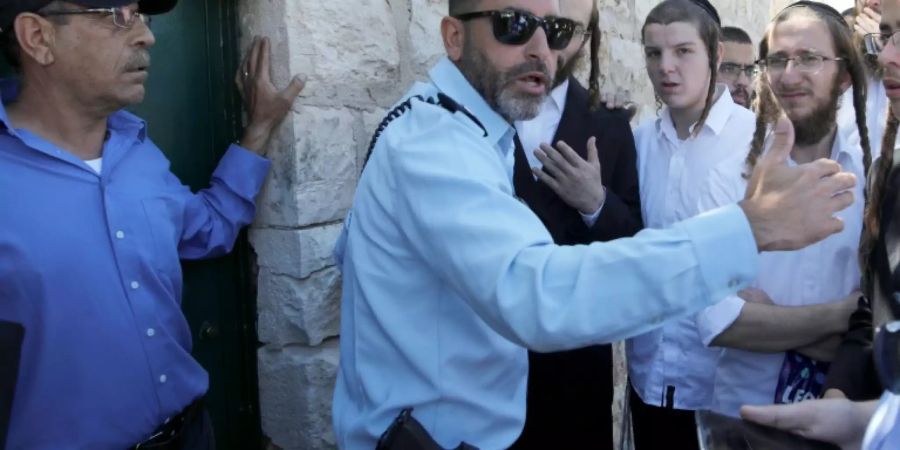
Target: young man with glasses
<point>738,68</point>
<point>449,278</point>
<point>94,225</point>
<point>780,335</point>
<point>570,394</point>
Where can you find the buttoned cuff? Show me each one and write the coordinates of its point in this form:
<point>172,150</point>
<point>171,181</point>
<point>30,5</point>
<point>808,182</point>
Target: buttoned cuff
<point>712,321</point>
<point>725,250</point>
<point>243,171</point>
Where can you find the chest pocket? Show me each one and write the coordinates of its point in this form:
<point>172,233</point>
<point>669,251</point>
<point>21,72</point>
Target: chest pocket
<point>163,229</point>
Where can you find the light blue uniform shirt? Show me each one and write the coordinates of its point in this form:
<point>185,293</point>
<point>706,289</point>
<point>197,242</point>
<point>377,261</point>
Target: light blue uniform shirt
<point>89,265</point>
<point>448,278</point>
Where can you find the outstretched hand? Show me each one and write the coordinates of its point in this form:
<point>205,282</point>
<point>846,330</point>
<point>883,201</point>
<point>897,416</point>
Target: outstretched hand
<point>792,207</point>
<point>266,105</point>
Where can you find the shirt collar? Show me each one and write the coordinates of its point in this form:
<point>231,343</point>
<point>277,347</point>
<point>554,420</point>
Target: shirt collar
<point>121,122</point>
<point>715,121</point>
<point>449,80</point>
<point>846,147</point>
<point>558,95</point>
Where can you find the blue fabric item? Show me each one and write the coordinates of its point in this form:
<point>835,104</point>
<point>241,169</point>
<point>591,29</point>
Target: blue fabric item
<point>89,264</point>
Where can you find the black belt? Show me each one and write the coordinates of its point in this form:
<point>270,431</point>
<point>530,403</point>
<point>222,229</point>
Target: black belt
<point>169,435</point>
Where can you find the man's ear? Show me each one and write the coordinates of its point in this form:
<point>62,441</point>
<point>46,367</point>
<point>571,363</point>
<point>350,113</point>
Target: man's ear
<point>720,54</point>
<point>453,32</point>
<point>36,36</point>
<point>846,80</point>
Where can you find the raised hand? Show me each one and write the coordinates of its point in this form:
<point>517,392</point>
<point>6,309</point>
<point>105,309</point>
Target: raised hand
<point>266,105</point>
<point>577,181</point>
<point>792,207</point>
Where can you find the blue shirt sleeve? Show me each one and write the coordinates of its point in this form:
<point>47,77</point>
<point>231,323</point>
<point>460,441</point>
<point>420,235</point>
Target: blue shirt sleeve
<point>456,207</point>
<point>214,216</point>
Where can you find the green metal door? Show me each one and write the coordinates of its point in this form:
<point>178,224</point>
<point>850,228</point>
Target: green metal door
<point>193,114</point>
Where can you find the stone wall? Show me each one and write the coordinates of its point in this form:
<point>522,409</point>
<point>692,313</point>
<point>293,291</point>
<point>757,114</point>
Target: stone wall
<point>359,56</point>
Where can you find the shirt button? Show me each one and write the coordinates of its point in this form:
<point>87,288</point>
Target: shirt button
<point>135,285</point>
<point>162,379</point>
<point>120,234</point>
<point>151,332</point>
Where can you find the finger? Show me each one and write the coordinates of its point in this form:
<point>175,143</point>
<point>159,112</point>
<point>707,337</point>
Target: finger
<point>549,165</point>
<point>841,201</point>
<point>557,160</point>
<point>572,157</point>
<point>254,56</point>
<point>546,179</point>
<point>822,168</point>
<point>782,144</point>
<point>593,156</point>
<point>839,182</point>
<point>778,416</point>
<point>294,89</point>
<point>262,66</point>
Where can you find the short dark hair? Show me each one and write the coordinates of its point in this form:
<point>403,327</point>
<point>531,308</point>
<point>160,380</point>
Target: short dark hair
<point>457,7</point>
<point>735,34</point>
<point>10,43</point>
<point>851,12</point>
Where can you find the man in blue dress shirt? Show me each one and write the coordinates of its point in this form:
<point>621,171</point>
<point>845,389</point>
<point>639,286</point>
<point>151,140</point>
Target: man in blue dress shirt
<point>93,223</point>
<point>448,278</point>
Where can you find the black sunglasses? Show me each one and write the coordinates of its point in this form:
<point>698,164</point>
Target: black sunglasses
<point>886,352</point>
<point>513,27</point>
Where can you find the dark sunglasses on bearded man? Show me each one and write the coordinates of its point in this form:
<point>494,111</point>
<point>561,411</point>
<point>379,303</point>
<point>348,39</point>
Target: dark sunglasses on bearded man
<point>514,27</point>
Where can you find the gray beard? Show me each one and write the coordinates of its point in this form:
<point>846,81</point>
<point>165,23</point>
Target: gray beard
<point>497,87</point>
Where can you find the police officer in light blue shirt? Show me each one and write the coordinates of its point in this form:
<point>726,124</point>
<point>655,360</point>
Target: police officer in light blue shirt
<point>448,278</point>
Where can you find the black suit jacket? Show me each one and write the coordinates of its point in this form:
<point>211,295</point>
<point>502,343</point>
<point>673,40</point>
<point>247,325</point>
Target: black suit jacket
<point>570,393</point>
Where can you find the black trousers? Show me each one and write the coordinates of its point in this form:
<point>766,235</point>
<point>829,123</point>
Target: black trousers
<point>196,435</point>
<point>657,428</point>
<point>569,400</point>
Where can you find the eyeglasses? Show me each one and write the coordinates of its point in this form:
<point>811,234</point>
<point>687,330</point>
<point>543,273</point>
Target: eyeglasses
<point>731,71</point>
<point>513,27</point>
<point>876,42</point>
<point>122,16</point>
<point>808,63</point>
<point>886,352</point>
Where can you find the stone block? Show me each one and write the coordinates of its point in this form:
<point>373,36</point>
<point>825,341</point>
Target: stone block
<point>349,49</point>
<point>425,34</point>
<point>295,399</point>
<point>297,253</point>
<point>312,178</point>
<point>293,311</point>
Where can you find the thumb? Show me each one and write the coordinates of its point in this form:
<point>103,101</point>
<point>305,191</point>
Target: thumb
<point>783,142</point>
<point>293,90</point>
<point>592,155</point>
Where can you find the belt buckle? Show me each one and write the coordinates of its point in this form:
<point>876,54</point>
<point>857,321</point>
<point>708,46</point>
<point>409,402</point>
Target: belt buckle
<point>169,427</point>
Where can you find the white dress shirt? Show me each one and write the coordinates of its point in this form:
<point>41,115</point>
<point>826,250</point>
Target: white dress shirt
<point>448,279</point>
<point>883,432</point>
<point>823,272</point>
<point>542,129</point>
<point>673,175</point>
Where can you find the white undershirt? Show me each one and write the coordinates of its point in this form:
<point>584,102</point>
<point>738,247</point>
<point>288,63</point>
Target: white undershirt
<point>96,164</point>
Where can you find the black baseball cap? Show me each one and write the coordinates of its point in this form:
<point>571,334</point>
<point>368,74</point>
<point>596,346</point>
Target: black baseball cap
<point>9,9</point>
